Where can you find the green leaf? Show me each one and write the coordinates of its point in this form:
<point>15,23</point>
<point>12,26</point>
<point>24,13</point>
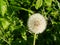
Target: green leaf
<point>55,13</point>
<point>5,23</point>
<point>48,2</point>
<point>53,22</point>
<point>3,7</point>
<point>24,36</point>
<point>1,33</point>
<point>38,4</point>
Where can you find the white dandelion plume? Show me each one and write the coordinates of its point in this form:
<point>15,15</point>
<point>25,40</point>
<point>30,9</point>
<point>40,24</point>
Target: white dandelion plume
<point>36,23</point>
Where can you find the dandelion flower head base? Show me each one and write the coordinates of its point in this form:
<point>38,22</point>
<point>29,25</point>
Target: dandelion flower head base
<point>36,23</point>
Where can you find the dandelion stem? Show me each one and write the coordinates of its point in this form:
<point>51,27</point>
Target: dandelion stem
<point>34,39</point>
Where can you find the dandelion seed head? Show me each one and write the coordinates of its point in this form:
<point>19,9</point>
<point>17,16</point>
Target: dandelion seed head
<point>36,23</point>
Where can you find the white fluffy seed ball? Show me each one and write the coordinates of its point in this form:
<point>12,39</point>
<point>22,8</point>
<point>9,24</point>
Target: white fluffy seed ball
<point>36,23</point>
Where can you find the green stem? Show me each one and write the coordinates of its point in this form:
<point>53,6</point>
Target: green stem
<point>34,39</point>
<point>5,41</point>
<point>27,10</point>
<point>21,8</point>
<point>7,2</point>
<point>32,3</point>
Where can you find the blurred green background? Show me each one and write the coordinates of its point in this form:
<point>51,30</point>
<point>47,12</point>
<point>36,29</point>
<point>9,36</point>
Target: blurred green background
<point>13,21</point>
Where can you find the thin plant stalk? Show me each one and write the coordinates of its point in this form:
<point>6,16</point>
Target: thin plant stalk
<point>34,39</point>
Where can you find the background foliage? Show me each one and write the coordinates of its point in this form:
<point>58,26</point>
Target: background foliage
<point>13,21</point>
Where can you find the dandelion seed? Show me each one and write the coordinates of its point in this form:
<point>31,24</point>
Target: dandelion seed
<point>36,23</point>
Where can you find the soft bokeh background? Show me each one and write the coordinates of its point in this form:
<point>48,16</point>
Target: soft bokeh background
<point>13,21</point>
